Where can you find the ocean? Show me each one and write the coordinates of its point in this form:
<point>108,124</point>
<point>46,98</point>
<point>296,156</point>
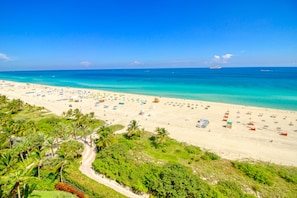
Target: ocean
<point>269,87</point>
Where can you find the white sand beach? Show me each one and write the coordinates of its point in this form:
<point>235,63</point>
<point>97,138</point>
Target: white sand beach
<point>255,133</point>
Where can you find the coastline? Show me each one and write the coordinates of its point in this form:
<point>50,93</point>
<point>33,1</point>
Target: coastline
<point>179,117</point>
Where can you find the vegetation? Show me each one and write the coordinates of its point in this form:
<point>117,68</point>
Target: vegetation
<point>172,169</point>
<point>87,185</point>
<point>38,150</point>
<point>51,194</point>
<point>68,188</point>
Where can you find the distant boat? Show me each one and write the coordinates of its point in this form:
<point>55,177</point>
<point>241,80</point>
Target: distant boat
<point>215,67</point>
<point>265,70</point>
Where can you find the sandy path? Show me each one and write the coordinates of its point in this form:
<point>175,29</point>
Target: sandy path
<point>89,155</point>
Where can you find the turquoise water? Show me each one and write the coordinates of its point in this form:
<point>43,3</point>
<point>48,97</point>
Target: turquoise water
<point>274,87</point>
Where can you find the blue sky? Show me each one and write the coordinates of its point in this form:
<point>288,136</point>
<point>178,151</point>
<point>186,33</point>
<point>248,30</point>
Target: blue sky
<point>94,34</point>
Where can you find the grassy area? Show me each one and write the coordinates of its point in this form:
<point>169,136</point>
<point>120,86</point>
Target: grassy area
<point>89,186</point>
<point>51,194</point>
<point>136,162</point>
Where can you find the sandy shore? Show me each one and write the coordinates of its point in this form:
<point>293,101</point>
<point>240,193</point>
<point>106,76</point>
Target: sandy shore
<point>256,133</point>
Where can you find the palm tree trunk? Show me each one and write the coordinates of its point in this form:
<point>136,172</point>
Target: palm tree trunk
<point>22,156</point>
<point>10,142</point>
<point>18,188</point>
<point>52,152</point>
<point>38,168</point>
<point>61,171</point>
<point>24,194</point>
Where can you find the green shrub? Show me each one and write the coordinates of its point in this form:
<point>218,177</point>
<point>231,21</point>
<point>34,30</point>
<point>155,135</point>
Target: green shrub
<point>89,186</point>
<point>47,125</point>
<point>116,127</point>
<point>175,180</point>
<point>193,149</point>
<point>210,156</point>
<point>255,172</point>
<point>290,175</point>
<point>231,189</point>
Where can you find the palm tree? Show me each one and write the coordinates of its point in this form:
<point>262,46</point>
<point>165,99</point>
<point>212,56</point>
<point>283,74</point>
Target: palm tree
<point>15,105</point>
<point>50,143</point>
<point>37,140</point>
<point>106,137</point>
<point>10,129</point>
<point>67,152</point>
<point>77,114</point>
<point>3,99</point>
<point>18,180</point>
<point>133,129</point>
<point>61,132</point>
<point>30,127</point>
<point>7,162</point>
<point>68,114</point>
<point>39,157</point>
<point>162,134</point>
<point>19,127</point>
<point>21,148</point>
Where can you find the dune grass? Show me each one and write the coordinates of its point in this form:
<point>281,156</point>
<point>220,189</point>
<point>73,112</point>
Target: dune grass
<point>51,194</point>
<point>134,161</point>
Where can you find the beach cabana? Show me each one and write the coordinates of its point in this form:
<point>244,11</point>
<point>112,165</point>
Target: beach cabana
<point>202,123</point>
<point>229,125</point>
<point>156,100</point>
<point>141,112</point>
<point>284,133</point>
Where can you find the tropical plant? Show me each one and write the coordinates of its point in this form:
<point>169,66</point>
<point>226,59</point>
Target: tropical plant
<point>8,161</point>
<point>162,135</point>
<point>106,137</point>
<point>15,106</point>
<point>15,181</point>
<point>67,152</point>
<point>50,143</point>
<point>133,130</point>
<point>3,100</point>
<point>61,131</point>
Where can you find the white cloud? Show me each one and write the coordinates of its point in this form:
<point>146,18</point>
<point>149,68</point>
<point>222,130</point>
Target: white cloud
<point>4,57</point>
<point>217,57</point>
<point>227,56</point>
<point>222,59</point>
<point>136,63</point>
<point>85,63</point>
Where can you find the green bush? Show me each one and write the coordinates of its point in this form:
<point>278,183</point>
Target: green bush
<point>255,172</point>
<point>47,125</point>
<point>193,149</point>
<point>290,175</point>
<point>89,186</point>
<point>175,180</point>
<point>210,156</point>
<point>116,127</point>
<point>231,189</point>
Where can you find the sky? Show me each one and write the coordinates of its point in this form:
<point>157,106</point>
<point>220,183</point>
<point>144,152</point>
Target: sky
<point>95,34</point>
